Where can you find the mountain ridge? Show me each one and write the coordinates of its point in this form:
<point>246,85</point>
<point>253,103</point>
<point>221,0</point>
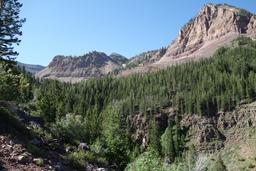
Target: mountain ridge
<point>213,27</point>
<point>74,69</point>
<point>33,69</point>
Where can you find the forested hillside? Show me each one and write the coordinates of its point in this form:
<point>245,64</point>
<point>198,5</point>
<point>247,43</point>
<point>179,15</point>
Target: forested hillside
<point>199,115</point>
<point>97,110</point>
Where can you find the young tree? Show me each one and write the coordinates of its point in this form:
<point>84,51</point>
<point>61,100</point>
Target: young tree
<point>167,142</point>
<point>154,136</point>
<point>10,24</point>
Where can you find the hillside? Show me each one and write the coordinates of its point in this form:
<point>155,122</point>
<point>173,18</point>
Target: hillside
<point>199,115</point>
<point>194,115</point>
<point>74,69</point>
<point>139,117</point>
<point>213,27</point>
<point>33,69</point>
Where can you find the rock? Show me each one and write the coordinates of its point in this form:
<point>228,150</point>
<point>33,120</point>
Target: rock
<point>24,158</point>
<point>226,121</point>
<point>38,161</point>
<point>11,143</point>
<point>89,167</point>
<point>83,147</point>
<point>69,149</point>
<point>101,169</point>
<point>214,26</point>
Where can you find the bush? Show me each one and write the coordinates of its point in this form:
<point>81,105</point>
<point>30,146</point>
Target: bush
<point>146,161</point>
<point>70,128</point>
<point>14,86</point>
<point>80,159</point>
<point>77,160</point>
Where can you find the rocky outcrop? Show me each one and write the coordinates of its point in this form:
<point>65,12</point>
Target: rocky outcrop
<point>214,26</point>
<point>207,134</point>
<point>14,156</point>
<point>73,69</point>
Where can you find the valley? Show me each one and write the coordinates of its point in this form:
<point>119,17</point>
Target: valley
<point>189,106</point>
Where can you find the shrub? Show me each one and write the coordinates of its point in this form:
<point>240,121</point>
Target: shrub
<point>146,161</point>
<point>80,159</point>
<point>70,128</point>
<point>77,160</point>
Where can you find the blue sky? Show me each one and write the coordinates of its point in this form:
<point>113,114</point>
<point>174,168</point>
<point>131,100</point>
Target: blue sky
<point>128,27</point>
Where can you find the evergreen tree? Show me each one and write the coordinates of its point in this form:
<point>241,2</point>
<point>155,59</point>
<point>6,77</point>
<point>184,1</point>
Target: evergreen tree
<point>154,136</point>
<point>10,24</point>
<point>167,142</point>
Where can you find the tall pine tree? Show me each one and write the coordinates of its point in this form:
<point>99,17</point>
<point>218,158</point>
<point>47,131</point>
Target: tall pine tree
<point>10,24</point>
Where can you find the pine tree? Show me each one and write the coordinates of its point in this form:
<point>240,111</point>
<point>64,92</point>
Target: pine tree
<point>154,136</point>
<point>10,24</point>
<point>167,142</point>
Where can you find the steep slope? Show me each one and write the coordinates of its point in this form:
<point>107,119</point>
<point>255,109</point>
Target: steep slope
<point>141,63</point>
<point>213,27</point>
<point>73,69</point>
<point>33,69</point>
<point>227,135</point>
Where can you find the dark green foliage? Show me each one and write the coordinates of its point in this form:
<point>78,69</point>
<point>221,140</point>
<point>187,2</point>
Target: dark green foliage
<point>70,128</point>
<point>154,136</point>
<point>204,87</point>
<point>15,85</point>
<point>116,137</point>
<point>10,24</point>
<point>10,123</point>
<point>167,142</point>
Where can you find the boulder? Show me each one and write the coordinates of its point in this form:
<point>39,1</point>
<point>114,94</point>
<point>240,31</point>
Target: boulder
<point>83,147</point>
<point>24,158</point>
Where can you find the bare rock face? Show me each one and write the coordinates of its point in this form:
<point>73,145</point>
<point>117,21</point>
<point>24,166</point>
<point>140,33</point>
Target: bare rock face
<point>214,26</point>
<point>73,69</point>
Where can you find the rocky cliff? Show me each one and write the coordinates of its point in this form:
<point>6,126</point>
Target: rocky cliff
<point>73,69</point>
<point>214,26</point>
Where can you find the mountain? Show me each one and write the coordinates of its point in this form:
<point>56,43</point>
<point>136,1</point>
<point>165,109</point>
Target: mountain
<point>120,59</point>
<point>213,27</point>
<point>146,58</point>
<point>33,69</point>
<point>73,69</point>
